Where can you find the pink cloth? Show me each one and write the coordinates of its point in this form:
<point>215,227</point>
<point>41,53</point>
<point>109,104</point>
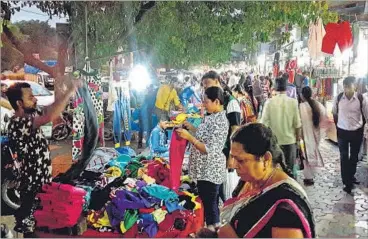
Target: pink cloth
<point>64,189</point>
<point>177,151</point>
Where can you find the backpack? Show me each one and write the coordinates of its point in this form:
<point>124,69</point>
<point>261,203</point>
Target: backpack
<point>335,116</point>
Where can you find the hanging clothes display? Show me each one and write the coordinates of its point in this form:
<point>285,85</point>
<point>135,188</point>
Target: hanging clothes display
<point>122,115</point>
<point>290,68</point>
<point>316,34</point>
<point>95,93</point>
<point>337,33</point>
<point>85,134</point>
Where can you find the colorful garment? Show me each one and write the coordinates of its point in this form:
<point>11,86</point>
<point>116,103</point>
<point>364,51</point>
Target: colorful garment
<point>249,113</point>
<point>95,91</point>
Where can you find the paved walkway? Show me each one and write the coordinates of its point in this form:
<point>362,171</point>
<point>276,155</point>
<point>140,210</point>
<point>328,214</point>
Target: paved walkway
<point>337,214</point>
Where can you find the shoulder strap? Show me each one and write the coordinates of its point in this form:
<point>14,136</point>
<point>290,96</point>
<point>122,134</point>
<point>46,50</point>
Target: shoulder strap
<point>360,97</point>
<point>335,116</point>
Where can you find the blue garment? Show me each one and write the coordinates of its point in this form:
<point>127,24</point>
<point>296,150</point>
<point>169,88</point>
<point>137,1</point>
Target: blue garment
<point>186,94</point>
<point>158,142</point>
<point>173,205</point>
<point>124,200</point>
<point>147,223</point>
<point>305,82</point>
<point>147,111</point>
<point>122,114</point>
<point>127,151</point>
<point>121,162</point>
<point>160,192</point>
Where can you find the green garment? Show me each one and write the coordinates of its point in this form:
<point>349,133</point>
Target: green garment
<point>132,169</point>
<point>130,218</point>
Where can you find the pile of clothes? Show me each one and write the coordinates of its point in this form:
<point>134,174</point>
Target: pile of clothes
<point>62,206</point>
<point>131,197</point>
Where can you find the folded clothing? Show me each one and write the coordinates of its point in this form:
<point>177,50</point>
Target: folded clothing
<point>56,219</point>
<point>68,207</point>
<point>62,206</point>
<point>63,189</point>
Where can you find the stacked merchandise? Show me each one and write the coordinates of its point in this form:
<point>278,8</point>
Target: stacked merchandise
<point>131,197</point>
<point>62,206</point>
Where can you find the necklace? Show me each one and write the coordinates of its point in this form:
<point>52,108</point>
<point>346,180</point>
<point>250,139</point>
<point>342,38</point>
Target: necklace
<point>268,179</point>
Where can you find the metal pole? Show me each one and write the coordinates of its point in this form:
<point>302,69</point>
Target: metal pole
<point>86,32</point>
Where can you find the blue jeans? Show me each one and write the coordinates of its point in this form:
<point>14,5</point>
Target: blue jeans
<point>209,193</point>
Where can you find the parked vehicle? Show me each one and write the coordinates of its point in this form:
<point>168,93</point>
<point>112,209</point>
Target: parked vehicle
<point>10,172</point>
<point>62,131</point>
<point>44,98</point>
<point>45,80</point>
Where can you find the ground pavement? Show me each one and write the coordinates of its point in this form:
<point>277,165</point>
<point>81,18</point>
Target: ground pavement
<point>337,214</point>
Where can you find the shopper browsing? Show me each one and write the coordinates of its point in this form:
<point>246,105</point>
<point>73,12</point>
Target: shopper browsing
<point>207,163</point>
<point>158,141</point>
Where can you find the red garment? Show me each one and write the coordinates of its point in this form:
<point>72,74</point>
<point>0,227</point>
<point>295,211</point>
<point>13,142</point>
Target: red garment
<point>177,151</point>
<point>160,172</point>
<point>276,70</point>
<point>291,76</point>
<point>337,33</point>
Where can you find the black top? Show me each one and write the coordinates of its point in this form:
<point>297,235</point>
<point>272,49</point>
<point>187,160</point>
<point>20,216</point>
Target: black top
<point>284,216</point>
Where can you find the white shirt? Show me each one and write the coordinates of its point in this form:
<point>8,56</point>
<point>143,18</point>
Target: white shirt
<point>350,116</point>
<point>233,81</point>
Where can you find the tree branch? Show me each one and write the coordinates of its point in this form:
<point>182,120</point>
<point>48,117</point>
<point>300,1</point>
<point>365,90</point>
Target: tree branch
<point>143,9</point>
<point>28,57</point>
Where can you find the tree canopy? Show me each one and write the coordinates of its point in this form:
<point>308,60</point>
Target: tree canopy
<point>181,33</point>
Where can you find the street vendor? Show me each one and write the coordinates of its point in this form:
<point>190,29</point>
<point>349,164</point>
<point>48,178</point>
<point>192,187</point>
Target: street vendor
<point>31,147</point>
<point>165,96</point>
<point>158,141</point>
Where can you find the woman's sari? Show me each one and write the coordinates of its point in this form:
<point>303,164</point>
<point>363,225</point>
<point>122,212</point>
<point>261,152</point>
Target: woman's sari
<point>260,207</point>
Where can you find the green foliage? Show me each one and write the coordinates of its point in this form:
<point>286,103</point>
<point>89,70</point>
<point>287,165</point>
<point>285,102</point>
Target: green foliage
<point>182,33</point>
<point>187,33</point>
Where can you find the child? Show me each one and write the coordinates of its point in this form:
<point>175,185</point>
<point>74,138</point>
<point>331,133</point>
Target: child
<point>158,141</point>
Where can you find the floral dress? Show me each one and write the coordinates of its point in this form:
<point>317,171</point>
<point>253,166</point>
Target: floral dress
<point>210,166</point>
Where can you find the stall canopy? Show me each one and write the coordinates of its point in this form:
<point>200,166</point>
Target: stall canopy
<point>33,70</point>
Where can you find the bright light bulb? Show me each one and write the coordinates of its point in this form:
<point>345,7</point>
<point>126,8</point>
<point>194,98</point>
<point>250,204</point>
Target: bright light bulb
<point>139,78</point>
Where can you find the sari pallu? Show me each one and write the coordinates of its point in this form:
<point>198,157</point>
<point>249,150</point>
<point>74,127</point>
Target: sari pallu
<point>250,214</point>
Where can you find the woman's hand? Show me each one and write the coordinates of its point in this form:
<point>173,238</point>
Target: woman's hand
<point>183,133</point>
<point>189,126</point>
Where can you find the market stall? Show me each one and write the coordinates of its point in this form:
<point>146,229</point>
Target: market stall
<point>325,85</point>
<point>109,192</point>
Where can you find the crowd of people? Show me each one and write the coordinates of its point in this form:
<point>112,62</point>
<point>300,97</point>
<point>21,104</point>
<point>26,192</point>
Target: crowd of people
<point>252,125</point>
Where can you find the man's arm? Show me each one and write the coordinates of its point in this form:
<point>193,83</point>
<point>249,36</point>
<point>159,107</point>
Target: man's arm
<point>297,122</point>
<point>4,103</point>
<point>53,111</point>
<point>265,114</point>
<point>365,106</point>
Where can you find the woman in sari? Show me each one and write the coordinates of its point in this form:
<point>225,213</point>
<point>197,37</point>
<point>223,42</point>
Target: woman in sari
<point>248,105</point>
<point>314,120</point>
<point>267,203</point>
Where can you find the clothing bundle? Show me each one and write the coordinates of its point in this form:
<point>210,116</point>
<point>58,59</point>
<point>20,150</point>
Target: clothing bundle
<point>62,206</point>
<point>143,205</point>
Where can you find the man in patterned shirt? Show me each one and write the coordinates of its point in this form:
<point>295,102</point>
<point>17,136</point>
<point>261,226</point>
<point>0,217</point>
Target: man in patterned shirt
<point>29,143</point>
